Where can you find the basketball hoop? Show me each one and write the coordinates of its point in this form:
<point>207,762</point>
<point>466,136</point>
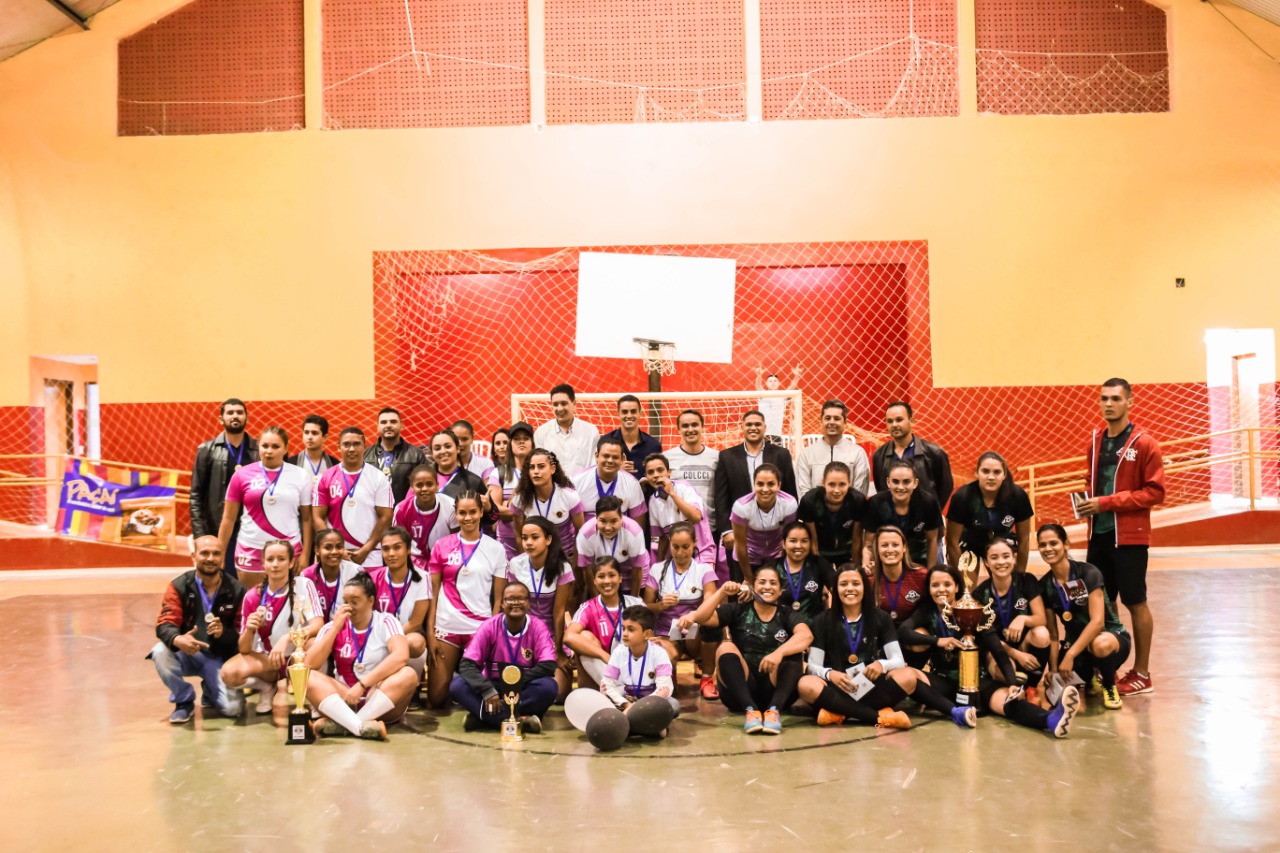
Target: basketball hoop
<point>659,357</point>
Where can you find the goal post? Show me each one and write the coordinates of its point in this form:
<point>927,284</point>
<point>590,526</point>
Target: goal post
<point>721,410</point>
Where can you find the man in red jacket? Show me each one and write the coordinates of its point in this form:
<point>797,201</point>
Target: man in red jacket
<point>1126,479</point>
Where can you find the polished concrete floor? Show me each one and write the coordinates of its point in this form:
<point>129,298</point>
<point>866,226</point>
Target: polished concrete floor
<point>89,760</point>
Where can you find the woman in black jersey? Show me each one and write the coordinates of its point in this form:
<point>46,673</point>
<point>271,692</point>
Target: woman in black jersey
<point>992,506</point>
<point>856,670</point>
<point>806,579</point>
<point>1003,695</point>
<point>1074,592</point>
<point>760,664</point>
<point>1014,597</point>
<point>833,512</point>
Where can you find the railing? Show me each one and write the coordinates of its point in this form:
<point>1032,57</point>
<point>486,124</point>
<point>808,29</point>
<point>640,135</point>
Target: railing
<point>1181,455</point>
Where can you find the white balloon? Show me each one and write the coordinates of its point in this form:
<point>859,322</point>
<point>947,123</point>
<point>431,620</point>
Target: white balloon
<point>581,704</point>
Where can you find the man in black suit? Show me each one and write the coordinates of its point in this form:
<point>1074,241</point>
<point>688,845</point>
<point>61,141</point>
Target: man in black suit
<point>735,475</point>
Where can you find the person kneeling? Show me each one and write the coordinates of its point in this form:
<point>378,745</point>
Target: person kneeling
<point>372,681</point>
<point>509,639</point>
<point>639,666</point>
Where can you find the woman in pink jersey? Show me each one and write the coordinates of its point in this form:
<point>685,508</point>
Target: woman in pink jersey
<point>331,571</point>
<point>544,491</point>
<point>674,587</point>
<point>404,592</point>
<point>425,513</point>
<point>371,683</point>
<point>463,566</point>
<point>597,626</point>
<point>271,499</point>
<point>545,570</point>
<point>265,641</point>
<point>758,521</point>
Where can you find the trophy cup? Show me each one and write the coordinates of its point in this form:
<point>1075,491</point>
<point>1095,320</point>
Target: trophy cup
<point>512,730</point>
<point>965,617</point>
<point>300,730</point>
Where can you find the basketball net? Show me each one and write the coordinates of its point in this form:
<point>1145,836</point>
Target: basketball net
<point>657,356</point>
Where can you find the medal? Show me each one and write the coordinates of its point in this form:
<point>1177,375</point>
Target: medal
<point>1066,616</point>
<point>893,602</point>
<point>854,642</point>
<point>386,469</point>
<point>351,486</point>
<point>209,618</point>
<point>795,586</point>
<point>271,499</point>
<point>239,453</point>
<point>795,605</point>
<point>893,614</point>
<point>1063,598</point>
<point>853,658</point>
<point>238,467</point>
<point>351,502</point>
<point>271,484</point>
<point>359,668</point>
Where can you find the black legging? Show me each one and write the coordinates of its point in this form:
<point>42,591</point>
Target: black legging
<point>740,691</point>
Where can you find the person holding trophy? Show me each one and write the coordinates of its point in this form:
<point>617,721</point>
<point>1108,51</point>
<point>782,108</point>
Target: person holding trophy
<point>508,640</point>
<point>372,681</point>
<point>266,637</point>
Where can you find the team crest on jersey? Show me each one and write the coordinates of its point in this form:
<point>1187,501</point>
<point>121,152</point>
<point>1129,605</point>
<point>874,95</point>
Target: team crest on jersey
<point>1007,521</point>
<point>780,635</point>
<point>913,596</point>
<point>919,528</point>
<point>625,554</point>
<point>1131,455</point>
<point>559,513</point>
<point>1020,604</point>
<point>847,524</point>
<point>811,586</point>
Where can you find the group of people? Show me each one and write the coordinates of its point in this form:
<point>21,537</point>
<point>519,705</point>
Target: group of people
<point>418,574</point>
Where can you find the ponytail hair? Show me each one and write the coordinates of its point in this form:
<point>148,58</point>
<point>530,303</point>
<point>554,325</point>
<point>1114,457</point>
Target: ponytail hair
<point>262,590</point>
<point>363,581</point>
<point>555,560</point>
<point>398,532</point>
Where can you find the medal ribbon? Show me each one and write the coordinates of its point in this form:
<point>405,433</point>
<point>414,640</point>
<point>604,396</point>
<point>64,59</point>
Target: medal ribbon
<point>204,598</point>
<point>538,507</point>
<point>600,491</point>
<point>797,585</point>
<point>676,574</point>
<point>631,676</point>
<point>893,602</point>
<point>349,483</point>
<point>330,592</point>
<point>1062,593</point>
<point>388,458</point>
<point>239,451</point>
<point>462,550</point>
<point>613,550</point>
<point>271,484</point>
<point>355,639</point>
<point>535,581</point>
<point>315,469</point>
<point>616,623</point>
<point>1000,602</point>
<point>404,590</point>
<point>854,641</point>
<point>513,651</point>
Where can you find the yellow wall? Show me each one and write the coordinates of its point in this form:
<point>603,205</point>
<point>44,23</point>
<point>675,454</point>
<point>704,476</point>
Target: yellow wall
<point>1063,234</point>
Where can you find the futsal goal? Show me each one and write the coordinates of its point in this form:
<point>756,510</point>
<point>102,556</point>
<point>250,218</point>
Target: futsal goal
<point>722,412</point>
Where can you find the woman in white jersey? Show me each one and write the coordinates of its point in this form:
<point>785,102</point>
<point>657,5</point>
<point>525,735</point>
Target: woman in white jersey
<point>544,490</point>
<point>676,586</point>
<point>265,642</point>
<point>272,500</point>
<point>371,684</point>
<point>758,520</point>
<point>546,571</point>
<point>510,450</point>
<point>463,566</point>
<point>404,592</point>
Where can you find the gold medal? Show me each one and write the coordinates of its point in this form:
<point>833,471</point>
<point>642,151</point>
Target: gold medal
<point>853,658</point>
<point>238,467</point>
<point>1066,616</point>
<point>795,605</point>
<point>386,469</point>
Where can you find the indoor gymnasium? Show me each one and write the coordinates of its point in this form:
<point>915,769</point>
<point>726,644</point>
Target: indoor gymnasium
<point>700,424</point>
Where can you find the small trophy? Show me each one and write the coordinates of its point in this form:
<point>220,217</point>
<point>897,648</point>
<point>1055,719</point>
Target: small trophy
<point>966,617</point>
<point>512,730</point>
<point>299,716</point>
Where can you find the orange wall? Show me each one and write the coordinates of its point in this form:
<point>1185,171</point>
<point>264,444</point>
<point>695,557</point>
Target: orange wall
<point>1059,235</point>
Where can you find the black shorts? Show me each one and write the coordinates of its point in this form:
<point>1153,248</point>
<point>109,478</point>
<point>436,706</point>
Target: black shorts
<point>1086,662</point>
<point>1123,567</point>
<point>951,689</point>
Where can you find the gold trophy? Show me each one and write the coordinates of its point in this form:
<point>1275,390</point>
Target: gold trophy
<point>299,729</point>
<point>512,729</point>
<point>965,617</point>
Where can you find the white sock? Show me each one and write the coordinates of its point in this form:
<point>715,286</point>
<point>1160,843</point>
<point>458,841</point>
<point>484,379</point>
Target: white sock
<point>375,705</point>
<point>594,668</point>
<point>340,712</point>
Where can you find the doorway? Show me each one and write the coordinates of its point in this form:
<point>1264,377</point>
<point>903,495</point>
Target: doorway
<point>1241,373</point>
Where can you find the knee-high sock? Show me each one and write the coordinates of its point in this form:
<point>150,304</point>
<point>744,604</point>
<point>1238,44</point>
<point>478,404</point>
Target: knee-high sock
<point>890,693</point>
<point>1025,714</point>
<point>989,642</point>
<point>733,678</point>
<point>1107,668</point>
<point>1041,654</point>
<point>838,702</point>
<point>340,712</point>
<point>788,676</point>
<point>375,705</point>
<point>594,668</point>
<point>929,696</point>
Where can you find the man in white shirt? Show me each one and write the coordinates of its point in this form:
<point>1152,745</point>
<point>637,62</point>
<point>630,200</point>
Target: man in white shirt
<point>573,441</point>
<point>694,462</point>
<point>835,446</point>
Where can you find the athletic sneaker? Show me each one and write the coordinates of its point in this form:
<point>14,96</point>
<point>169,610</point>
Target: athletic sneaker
<point>753,723</point>
<point>266,695</point>
<point>181,714</point>
<point>470,723</point>
<point>373,730</point>
<point>965,717</point>
<point>891,719</point>
<point>826,718</point>
<point>532,725</point>
<point>1095,685</point>
<point>772,722</point>
<point>1134,683</point>
<point>708,688</point>
<point>1064,712</point>
<point>1111,698</point>
<point>325,727</point>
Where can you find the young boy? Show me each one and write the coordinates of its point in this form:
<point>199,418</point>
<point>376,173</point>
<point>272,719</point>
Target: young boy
<point>638,667</point>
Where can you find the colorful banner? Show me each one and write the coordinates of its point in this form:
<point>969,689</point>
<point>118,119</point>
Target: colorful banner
<point>117,505</point>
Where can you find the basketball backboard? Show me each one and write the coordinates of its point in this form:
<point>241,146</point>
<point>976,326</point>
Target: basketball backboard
<point>688,301</point>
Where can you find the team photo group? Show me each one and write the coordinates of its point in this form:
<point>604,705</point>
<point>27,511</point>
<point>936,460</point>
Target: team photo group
<point>580,564</point>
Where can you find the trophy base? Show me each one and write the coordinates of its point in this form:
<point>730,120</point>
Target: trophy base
<point>299,728</point>
<point>512,731</point>
<point>967,700</point>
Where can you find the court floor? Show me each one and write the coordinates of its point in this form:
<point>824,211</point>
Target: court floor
<point>89,759</point>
